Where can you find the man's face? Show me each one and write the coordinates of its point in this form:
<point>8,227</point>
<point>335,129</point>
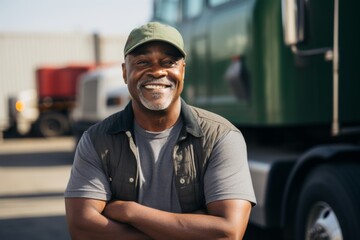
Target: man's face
<point>154,73</point>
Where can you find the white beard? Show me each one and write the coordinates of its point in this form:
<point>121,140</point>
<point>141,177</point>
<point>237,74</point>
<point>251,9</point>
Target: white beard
<point>165,95</point>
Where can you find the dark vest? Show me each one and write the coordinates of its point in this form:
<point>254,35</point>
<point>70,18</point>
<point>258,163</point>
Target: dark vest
<point>114,142</point>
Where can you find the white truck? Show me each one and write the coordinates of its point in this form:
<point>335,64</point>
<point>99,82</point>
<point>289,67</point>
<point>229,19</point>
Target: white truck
<point>101,93</point>
<point>23,111</point>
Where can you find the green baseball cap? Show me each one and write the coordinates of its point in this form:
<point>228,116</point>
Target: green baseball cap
<point>154,31</point>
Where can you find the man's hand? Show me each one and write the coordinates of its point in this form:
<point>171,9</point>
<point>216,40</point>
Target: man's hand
<point>118,210</point>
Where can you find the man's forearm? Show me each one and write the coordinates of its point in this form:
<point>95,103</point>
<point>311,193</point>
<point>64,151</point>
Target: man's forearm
<point>112,230</point>
<point>164,225</point>
<point>85,221</point>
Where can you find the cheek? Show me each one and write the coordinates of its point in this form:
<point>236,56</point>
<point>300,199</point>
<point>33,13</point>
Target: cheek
<point>131,84</point>
<point>132,87</point>
<point>179,73</point>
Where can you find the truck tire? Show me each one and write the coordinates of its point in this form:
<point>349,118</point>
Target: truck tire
<point>53,125</point>
<point>329,204</point>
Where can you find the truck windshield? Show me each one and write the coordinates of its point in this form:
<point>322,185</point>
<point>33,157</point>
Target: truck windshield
<point>166,11</point>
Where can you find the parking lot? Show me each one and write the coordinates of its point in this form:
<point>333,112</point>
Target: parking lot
<point>33,176</point>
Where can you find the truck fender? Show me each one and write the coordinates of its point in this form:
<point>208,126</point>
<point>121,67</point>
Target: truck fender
<point>313,157</point>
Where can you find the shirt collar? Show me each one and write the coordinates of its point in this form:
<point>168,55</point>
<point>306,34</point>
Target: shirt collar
<point>125,120</point>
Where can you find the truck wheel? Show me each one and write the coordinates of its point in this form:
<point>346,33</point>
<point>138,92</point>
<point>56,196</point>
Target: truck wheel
<point>53,125</point>
<point>329,204</point>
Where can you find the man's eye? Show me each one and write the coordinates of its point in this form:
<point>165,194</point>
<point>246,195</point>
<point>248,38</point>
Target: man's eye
<point>142,63</point>
<point>169,63</point>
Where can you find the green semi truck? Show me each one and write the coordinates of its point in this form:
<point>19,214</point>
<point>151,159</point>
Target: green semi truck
<point>286,73</point>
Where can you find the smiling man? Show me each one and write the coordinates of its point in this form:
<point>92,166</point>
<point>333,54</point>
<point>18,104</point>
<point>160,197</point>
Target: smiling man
<point>159,169</point>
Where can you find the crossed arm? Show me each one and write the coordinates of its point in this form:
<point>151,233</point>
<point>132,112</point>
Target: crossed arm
<point>95,219</point>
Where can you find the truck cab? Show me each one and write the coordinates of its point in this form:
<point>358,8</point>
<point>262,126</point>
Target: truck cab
<point>284,73</point>
<point>101,92</point>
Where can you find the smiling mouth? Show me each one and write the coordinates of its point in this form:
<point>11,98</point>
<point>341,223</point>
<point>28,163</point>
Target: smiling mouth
<point>154,87</point>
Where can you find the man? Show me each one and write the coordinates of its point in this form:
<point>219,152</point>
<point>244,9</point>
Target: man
<point>159,169</point>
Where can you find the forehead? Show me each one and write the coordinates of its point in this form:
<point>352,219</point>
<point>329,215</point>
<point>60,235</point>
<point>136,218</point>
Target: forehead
<point>156,46</point>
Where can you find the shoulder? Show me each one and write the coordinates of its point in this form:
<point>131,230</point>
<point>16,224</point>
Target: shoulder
<point>210,119</point>
<point>210,126</point>
<point>118,122</point>
<point>106,124</point>
<point>100,129</point>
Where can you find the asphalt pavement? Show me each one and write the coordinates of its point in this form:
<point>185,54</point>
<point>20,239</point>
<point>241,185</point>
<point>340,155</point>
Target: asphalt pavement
<point>33,177</point>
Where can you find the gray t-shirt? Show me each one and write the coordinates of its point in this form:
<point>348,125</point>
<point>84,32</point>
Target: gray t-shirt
<point>227,175</point>
<point>156,166</point>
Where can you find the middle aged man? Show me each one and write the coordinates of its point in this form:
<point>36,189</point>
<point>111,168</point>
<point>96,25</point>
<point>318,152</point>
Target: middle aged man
<point>160,169</point>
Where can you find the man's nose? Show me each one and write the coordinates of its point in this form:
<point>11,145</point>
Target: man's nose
<point>157,71</point>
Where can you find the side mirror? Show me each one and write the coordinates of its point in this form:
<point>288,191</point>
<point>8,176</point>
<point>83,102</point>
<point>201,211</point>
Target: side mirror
<point>293,21</point>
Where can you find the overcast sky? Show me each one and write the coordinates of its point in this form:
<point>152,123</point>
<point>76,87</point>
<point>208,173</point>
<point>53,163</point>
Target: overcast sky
<point>102,16</point>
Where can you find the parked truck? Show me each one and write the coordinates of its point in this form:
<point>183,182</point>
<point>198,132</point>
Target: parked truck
<point>285,72</point>
<point>101,92</point>
<point>57,91</point>
<point>46,110</point>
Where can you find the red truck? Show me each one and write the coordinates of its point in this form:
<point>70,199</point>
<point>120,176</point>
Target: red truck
<point>56,89</point>
<point>52,101</point>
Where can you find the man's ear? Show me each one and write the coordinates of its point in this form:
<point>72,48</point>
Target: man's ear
<point>184,66</point>
<point>124,72</point>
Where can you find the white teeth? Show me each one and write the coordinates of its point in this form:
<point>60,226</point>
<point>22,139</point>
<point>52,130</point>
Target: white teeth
<point>154,86</point>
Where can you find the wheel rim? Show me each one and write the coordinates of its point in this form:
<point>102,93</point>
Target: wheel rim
<point>53,127</point>
<point>323,224</point>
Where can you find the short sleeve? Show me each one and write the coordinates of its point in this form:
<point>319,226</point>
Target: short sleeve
<point>87,178</point>
<point>228,175</point>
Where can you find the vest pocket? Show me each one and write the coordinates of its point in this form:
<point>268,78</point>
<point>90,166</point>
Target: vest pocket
<point>190,196</point>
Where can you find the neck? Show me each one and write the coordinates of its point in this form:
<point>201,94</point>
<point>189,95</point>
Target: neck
<point>157,121</point>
